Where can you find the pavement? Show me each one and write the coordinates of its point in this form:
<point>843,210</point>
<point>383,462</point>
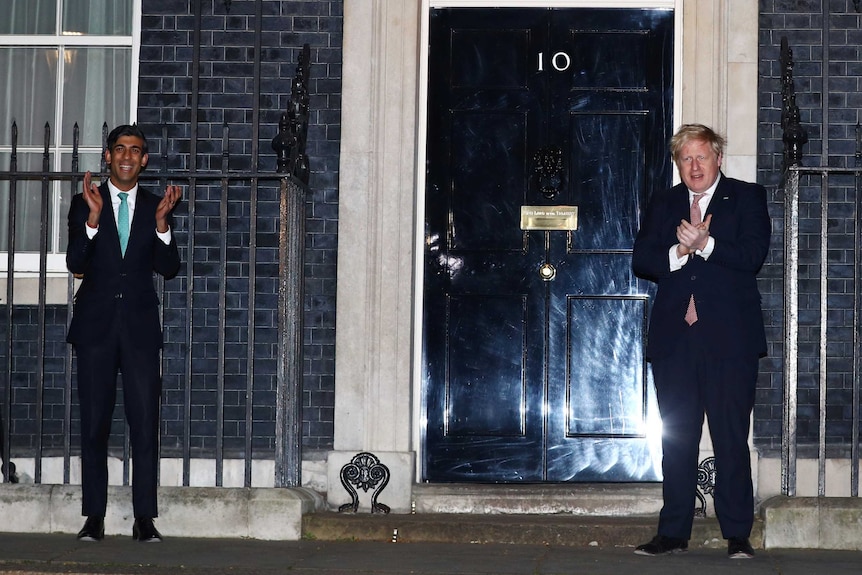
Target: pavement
<point>37,554</point>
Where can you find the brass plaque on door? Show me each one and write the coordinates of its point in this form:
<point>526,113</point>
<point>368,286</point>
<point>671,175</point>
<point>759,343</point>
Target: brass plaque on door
<point>554,218</point>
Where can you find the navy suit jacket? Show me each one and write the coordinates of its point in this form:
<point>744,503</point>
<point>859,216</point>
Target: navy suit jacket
<point>730,319</point>
<point>113,284</point>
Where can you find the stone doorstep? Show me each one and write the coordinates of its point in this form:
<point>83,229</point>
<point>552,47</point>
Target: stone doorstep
<point>612,514</point>
<point>605,514</point>
<point>602,499</point>
<point>559,529</point>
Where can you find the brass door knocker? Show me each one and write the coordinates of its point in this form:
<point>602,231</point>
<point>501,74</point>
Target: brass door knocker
<point>548,167</point>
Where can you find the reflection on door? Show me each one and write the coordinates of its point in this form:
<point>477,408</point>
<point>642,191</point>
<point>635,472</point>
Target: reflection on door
<point>533,341</point>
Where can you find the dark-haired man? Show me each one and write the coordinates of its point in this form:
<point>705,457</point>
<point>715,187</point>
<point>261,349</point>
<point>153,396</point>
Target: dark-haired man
<point>119,234</point>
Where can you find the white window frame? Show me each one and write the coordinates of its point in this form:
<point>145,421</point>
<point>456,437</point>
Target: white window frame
<point>27,263</point>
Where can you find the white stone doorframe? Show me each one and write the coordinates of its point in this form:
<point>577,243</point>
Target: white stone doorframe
<point>379,288</point>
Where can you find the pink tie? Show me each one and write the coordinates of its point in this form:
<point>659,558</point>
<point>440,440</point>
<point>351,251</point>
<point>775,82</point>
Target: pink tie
<point>696,218</point>
<point>694,213</point>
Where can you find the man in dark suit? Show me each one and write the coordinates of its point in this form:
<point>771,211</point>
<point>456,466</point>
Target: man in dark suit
<point>119,235</point>
<point>703,242</point>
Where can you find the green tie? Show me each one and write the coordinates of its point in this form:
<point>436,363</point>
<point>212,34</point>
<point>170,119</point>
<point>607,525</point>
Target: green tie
<point>123,221</point>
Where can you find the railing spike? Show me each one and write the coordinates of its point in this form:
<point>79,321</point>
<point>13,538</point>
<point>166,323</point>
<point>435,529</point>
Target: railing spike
<point>225,147</point>
<point>14,142</point>
<point>794,135</point>
<point>102,164</point>
<point>46,151</point>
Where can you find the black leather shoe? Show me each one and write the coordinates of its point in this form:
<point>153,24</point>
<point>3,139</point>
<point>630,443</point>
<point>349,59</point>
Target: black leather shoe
<point>661,545</point>
<point>93,529</point>
<point>144,531</point>
<point>739,548</point>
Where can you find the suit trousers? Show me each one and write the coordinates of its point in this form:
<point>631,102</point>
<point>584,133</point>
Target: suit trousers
<point>98,366</point>
<point>689,384</point>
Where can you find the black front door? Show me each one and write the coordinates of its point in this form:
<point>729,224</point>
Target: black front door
<point>533,340</point>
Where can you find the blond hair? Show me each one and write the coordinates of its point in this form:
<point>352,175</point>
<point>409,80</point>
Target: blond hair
<point>699,132</point>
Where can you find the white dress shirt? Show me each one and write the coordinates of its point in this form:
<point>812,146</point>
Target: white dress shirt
<point>677,262</point>
<point>115,205</point>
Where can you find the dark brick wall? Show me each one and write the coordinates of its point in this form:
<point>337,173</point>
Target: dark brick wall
<point>25,418</point>
<point>225,98</point>
<point>807,30</point>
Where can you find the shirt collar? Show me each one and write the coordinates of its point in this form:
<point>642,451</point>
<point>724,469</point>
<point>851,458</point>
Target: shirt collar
<point>115,198</point>
<point>709,191</point>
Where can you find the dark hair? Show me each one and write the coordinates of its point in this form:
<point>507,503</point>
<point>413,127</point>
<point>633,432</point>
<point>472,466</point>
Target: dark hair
<point>126,130</point>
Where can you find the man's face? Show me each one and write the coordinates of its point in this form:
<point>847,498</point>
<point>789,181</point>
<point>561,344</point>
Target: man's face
<point>698,165</point>
<point>126,160</point>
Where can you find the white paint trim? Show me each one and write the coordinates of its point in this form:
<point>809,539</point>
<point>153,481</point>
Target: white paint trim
<point>418,422</point>
<point>678,39</point>
<point>28,262</point>
<point>137,17</point>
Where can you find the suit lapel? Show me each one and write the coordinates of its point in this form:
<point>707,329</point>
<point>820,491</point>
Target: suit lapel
<point>723,198</point>
<point>681,202</point>
<point>136,221</point>
<point>722,208</point>
<point>108,217</point>
<point>108,221</point>
<point>143,224</point>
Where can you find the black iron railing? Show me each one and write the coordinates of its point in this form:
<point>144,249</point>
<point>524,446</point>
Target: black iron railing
<point>819,278</point>
<point>290,180</point>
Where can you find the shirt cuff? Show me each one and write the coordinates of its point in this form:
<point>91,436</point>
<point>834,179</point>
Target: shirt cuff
<point>165,237</point>
<point>91,232</point>
<point>707,250</point>
<point>676,262</point>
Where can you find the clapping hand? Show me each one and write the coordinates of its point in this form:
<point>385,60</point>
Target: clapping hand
<point>169,201</point>
<point>692,237</point>
<point>94,200</point>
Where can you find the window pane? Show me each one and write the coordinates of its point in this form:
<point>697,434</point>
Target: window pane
<point>87,162</point>
<point>100,17</point>
<point>28,211</point>
<point>96,91</point>
<point>28,17</point>
<point>28,96</point>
